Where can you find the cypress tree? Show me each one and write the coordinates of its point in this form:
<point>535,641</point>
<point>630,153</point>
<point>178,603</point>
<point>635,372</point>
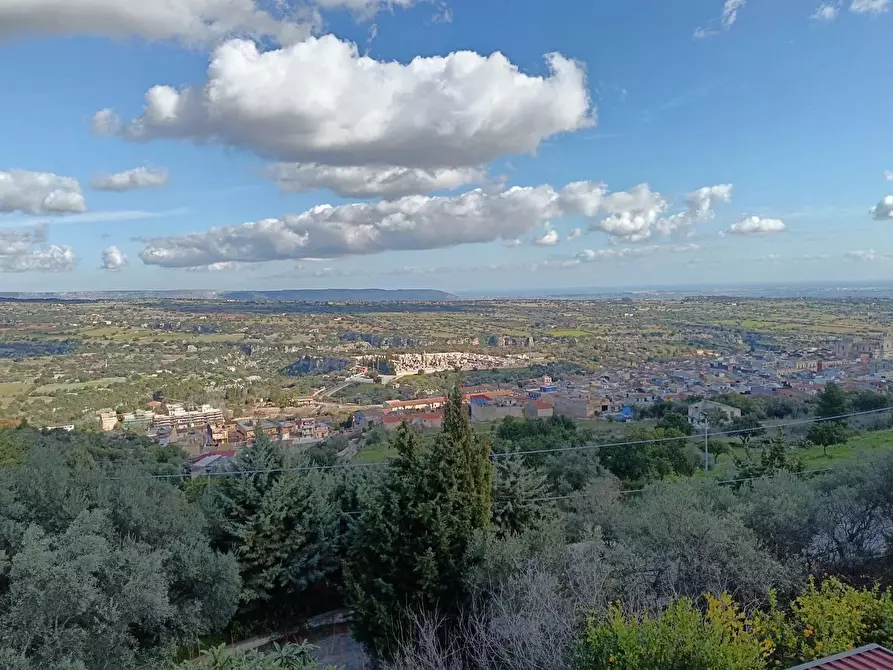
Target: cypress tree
<point>409,548</point>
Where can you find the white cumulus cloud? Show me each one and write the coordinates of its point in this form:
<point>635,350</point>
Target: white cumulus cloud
<point>320,101</point>
<point>549,238</point>
<point>888,175</point>
<point>632,214</point>
<point>575,233</point>
<point>25,250</point>
<point>754,225</point>
<point>113,259</point>
<point>193,22</point>
<point>128,180</point>
<point>413,222</point>
<point>416,223</point>
<point>360,181</point>
<point>40,193</point>
<point>883,211</point>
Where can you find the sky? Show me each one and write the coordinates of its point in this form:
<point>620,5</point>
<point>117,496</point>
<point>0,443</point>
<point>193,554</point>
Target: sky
<point>464,145</point>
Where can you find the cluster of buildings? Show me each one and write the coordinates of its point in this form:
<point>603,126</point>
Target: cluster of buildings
<point>486,404</point>
<point>198,429</point>
<point>615,393</point>
<point>404,364</point>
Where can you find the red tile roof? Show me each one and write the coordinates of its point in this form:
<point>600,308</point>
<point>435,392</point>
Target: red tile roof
<point>539,404</point>
<point>869,657</point>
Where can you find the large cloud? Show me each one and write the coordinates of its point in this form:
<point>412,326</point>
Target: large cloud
<point>637,214</point>
<point>39,193</point>
<point>754,225</point>
<point>883,211</point>
<point>25,250</point>
<point>128,180</point>
<point>321,102</point>
<point>412,223</point>
<point>194,22</point>
<point>371,181</point>
<point>632,215</point>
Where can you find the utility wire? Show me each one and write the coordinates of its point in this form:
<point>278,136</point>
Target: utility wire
<point>508,454</point>
<point>721,482</point>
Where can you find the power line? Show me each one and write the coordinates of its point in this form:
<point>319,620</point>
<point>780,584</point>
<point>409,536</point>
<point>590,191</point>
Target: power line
<point>508,454</point>
<point>688,437</point>
<point>720,482</point>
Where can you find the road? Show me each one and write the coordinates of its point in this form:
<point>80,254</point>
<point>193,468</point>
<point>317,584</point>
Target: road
<point>356,379</point>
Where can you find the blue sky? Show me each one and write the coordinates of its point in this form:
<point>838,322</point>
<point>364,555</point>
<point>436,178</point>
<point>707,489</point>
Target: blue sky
<point>788,114</point>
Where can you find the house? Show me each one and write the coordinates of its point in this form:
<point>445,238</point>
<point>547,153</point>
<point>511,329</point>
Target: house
<point>869,657</point>
<point>428,420</point>
<point>107,420</point>
<point>215,461</point>
<point>537,409</point>
<point>418,420</point>
<point>577,406</point>
<point>215,435</point>
<point>245,428</point>
<point>697,413</point>
<point>487,408</point>
<point>367,417</point>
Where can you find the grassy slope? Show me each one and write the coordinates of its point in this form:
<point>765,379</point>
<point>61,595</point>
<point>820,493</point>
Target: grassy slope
<point>815,458</point>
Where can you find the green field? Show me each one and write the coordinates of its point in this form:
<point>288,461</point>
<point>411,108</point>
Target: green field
<point>375,454</point>
<point>814,458</point>
<point>75,386</point>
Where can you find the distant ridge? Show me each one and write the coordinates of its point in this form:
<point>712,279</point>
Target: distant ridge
<point>296,295</point>
<point>341,295</point>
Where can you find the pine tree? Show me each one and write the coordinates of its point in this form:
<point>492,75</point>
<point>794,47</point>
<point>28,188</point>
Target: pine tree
<point>409,545</point>
<point>517,496</point>
<point>280,526</point>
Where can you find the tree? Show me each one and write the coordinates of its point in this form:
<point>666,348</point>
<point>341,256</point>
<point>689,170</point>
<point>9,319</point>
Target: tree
<point>409,549</point>
<point>832,402</point>
<point>746,428</point>
<point>280,526</point>
<point>518,493</point>
<point>716,418</point>
<point>867,401</point>
<point>675,421</point>
<point>827,434</point>
<point>774,458</point>
<point>103,571</point>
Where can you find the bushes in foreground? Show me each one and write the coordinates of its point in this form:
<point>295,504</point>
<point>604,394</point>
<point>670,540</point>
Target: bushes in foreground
<point>821,622</point>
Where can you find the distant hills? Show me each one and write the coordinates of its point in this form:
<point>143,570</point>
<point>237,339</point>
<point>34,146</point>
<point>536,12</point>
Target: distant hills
<point>297,295</point>
<point>342,295</point>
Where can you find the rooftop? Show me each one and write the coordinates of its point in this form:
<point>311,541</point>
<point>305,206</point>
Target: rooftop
<point>869,657</point>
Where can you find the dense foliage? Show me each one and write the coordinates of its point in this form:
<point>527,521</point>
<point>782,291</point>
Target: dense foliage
<point>536,544</point>
<point>102,571</point>
<point>409,551</point>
